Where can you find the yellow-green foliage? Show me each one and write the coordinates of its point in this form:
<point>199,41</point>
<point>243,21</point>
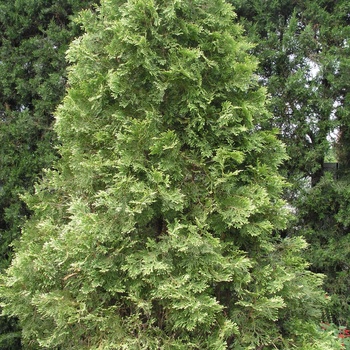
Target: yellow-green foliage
<point>156,230</point>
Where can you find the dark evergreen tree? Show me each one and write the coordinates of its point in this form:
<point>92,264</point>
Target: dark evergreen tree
<point>324,222</point>
<point>34,36</point>
<point>303,48</point>
<point>157,230</point>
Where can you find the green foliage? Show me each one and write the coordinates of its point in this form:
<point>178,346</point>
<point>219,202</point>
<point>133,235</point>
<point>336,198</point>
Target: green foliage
<point>324,218</point>
<point>303,51</point>
<point>33,40</point>
<point>157,228</point>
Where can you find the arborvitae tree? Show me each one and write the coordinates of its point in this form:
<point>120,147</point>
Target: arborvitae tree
<point>303,50</point>
<point>157,228</point>
<point>34,36</point>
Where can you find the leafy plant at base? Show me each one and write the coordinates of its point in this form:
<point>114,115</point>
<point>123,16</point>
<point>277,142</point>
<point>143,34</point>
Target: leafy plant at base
<point>157,230</point>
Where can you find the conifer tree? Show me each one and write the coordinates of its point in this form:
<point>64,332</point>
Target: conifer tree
<point>33,40</point>
<point>303,51</point>
<point>34,36</point>
<point>157,228</point>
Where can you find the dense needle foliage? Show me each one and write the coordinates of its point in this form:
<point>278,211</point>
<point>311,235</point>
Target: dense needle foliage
<point>303,48</point>
<point>157,228</point>
<point>34,36</point>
